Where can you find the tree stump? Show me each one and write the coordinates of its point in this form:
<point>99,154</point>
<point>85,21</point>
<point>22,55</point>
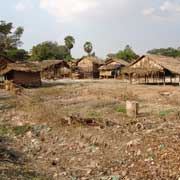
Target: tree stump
<point>132,108</point>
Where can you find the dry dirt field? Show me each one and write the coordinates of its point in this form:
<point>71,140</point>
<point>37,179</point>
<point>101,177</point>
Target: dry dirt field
<point>78,130</point>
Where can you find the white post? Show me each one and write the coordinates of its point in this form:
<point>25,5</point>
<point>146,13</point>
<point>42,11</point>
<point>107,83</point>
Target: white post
<point>132,108</point>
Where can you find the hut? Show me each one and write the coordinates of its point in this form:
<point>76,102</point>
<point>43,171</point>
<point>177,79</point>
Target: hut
<point>54,69</point>
<point>154,69</point>
<point>4,61</point>
<point>23,74</point>
<point>88,67</point>
<point>112,68</point>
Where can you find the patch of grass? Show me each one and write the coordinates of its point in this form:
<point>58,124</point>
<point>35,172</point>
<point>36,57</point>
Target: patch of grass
<point>121,109</point>
<point>164,113</point>
<point>21,130</point>
<point>94,114</point>
<point>18,173</point>
<point>54,91</point>
<point>4,130</point>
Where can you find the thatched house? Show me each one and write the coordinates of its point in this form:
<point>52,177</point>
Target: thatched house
<point>154,68</point>
<point>23,74</point>
<point>88,66</point>
<point>112,68</point>
<point>4,61</point>
<point>54,69</point>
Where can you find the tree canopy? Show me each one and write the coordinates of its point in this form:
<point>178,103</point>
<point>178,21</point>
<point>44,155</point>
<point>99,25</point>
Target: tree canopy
<point>17,54</point>
<point>49,50</point>
<point>127,54</point>
<point>9,39</point>
<point>171,52</point>
<point>88,47</point>
<point>69,42</point>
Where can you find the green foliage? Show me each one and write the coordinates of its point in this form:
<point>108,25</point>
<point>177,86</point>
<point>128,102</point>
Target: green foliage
<point>121,109</point>
<point>127,54</point>
<point>21,130</point>
<point>69,42</point>
<point>17,54</point>
<point>88,47</point>
<point>170,52</point>
<point>9,39</point>
<point>164,113</point>
<point>49,50</point>
<point>4,130</point>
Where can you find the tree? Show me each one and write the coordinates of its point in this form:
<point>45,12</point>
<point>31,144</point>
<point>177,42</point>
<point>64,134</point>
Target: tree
<point>49,50</point>
<point>127,54</point>
<point>88,47</point>
<point>170,52</point>
<point>69,42</point>
<point>17,54</point>
<point>9,39</point>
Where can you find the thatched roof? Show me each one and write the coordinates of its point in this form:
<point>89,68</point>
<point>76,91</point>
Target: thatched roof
<point>23,67</point>
<point>118,61</point>
<point>166,63</point>
<point>118,64</point>
<point>48,63</point>
<point>94,60</point>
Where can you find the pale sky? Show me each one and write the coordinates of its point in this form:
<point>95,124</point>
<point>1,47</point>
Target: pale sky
<point>108,24</point>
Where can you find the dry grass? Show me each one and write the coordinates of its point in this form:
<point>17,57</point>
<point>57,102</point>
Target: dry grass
<point>89,124</point>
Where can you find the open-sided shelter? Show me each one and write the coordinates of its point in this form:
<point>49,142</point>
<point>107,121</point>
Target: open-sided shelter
<point>154,68</point>
<point>112,68</point>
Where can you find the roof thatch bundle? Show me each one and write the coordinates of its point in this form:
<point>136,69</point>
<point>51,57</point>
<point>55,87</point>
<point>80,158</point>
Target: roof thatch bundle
<point>149,64</point>
<point>49,63</point>
<point>113,64</point>
<point>93,59</point>
<point>23,67</point>
<point>117,61</point>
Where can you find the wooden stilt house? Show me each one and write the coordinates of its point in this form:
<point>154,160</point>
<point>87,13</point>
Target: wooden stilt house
<point>112,68</point>
<point>154,69</point>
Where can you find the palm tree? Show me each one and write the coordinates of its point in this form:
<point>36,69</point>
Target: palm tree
<point>88,47</point>
<point>69,42</point>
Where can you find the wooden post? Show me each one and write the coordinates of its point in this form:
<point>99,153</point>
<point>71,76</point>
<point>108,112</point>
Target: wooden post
<point>132,108</point>
<point>164,79</point>
<point>130,79</point>
<point>179,80</point>
<point>171,78</point>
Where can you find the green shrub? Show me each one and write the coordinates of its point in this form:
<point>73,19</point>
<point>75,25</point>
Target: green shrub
<point>121,109</point>
<point>164,113</point>
<point>21,130</point>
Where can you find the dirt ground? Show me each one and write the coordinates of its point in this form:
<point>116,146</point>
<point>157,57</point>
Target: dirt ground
<point>79,130</point>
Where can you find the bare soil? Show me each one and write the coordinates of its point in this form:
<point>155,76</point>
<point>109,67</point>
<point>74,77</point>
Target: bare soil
<point>70,129</point>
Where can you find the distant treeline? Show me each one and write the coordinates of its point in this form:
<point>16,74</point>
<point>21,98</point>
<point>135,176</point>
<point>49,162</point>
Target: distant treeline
<point>171,52</point>
<point>10,43</point>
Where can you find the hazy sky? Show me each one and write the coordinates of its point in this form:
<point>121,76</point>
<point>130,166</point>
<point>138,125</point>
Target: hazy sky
<point>108,24</point>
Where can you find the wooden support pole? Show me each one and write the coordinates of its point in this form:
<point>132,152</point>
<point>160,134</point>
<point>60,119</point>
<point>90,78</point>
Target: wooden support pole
<point>164,79</point>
